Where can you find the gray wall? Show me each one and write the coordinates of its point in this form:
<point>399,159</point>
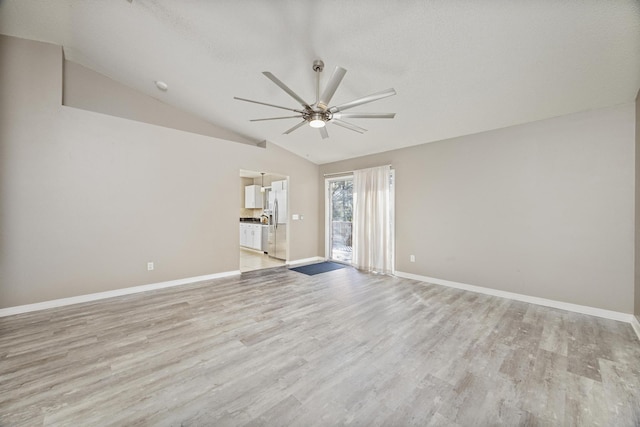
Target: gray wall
<point>86,199</point>
<point>543,209</point>
<point>637,213</point>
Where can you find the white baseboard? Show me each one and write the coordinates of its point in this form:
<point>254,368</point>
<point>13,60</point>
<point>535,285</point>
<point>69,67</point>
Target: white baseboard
<point>635,325</point>
<point>109,294</point>
<point>583,309</point>
<point>306,260</point>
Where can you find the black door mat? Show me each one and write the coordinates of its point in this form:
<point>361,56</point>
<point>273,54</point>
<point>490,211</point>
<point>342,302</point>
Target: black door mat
<point>322,267</point>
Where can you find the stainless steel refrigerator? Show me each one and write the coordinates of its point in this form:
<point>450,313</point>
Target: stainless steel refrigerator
<point>278,222</point>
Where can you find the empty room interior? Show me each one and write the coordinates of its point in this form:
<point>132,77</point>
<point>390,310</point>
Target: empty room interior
<point>319,213</point>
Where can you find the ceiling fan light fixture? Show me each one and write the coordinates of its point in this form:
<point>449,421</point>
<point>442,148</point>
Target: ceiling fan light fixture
<point>317,121</point>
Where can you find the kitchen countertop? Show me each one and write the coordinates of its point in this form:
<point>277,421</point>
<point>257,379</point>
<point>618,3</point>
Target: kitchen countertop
<point>253,221</point>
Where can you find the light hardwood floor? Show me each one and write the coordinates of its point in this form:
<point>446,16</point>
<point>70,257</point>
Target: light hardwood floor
<point>344,347</point>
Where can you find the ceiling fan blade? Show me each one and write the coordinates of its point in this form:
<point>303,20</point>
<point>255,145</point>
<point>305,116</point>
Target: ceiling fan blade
<point>295,127</point>
<point>269,105</point>
<point>364,115</point>
<point>364,100</point>
<point>286,89</point>
<point>348,125</point>
<point>323,132</point>
<point>334,81</point>
<point>274,118</point>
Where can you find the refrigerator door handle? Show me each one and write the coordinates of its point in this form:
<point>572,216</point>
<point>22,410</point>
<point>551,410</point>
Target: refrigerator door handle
<point>275,209</point>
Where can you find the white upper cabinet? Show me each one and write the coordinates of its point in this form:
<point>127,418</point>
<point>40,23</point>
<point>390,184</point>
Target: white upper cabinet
<point>252,197</point>
<point>279,185</point>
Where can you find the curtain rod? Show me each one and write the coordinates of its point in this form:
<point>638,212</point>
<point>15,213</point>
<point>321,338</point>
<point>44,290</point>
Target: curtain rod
<point>347,172</point>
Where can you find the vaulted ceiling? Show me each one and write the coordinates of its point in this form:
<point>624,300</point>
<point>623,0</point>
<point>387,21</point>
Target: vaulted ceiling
<point>458,67</point>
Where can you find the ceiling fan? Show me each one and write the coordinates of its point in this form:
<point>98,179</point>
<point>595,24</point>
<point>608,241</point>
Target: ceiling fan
<point>317,115</point>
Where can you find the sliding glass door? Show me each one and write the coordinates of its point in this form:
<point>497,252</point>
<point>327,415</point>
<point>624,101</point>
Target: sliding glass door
<point>339,242</point>
<point>339,218</point>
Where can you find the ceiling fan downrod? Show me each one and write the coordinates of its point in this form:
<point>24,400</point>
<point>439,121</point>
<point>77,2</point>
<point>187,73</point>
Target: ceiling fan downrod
<point>318,66</point>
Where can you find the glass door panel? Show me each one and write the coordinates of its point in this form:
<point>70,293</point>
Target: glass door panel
<point>340,195</point>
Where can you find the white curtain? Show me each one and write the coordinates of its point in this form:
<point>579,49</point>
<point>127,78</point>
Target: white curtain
<point>373,238</point>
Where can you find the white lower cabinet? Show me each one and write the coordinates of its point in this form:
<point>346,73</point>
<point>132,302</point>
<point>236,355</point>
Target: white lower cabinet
<point>256,237</point>
<point>251,236</point>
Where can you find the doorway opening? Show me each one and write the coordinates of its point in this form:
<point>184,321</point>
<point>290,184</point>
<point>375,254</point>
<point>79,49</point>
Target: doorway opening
<point>263,228</point>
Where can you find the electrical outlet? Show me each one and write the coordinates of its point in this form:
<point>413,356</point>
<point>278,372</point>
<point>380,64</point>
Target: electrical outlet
<point>149,266</point>
<point>412,258</point>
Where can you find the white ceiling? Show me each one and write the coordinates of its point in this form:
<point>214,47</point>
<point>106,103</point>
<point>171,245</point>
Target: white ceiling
<point>459,67</point>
